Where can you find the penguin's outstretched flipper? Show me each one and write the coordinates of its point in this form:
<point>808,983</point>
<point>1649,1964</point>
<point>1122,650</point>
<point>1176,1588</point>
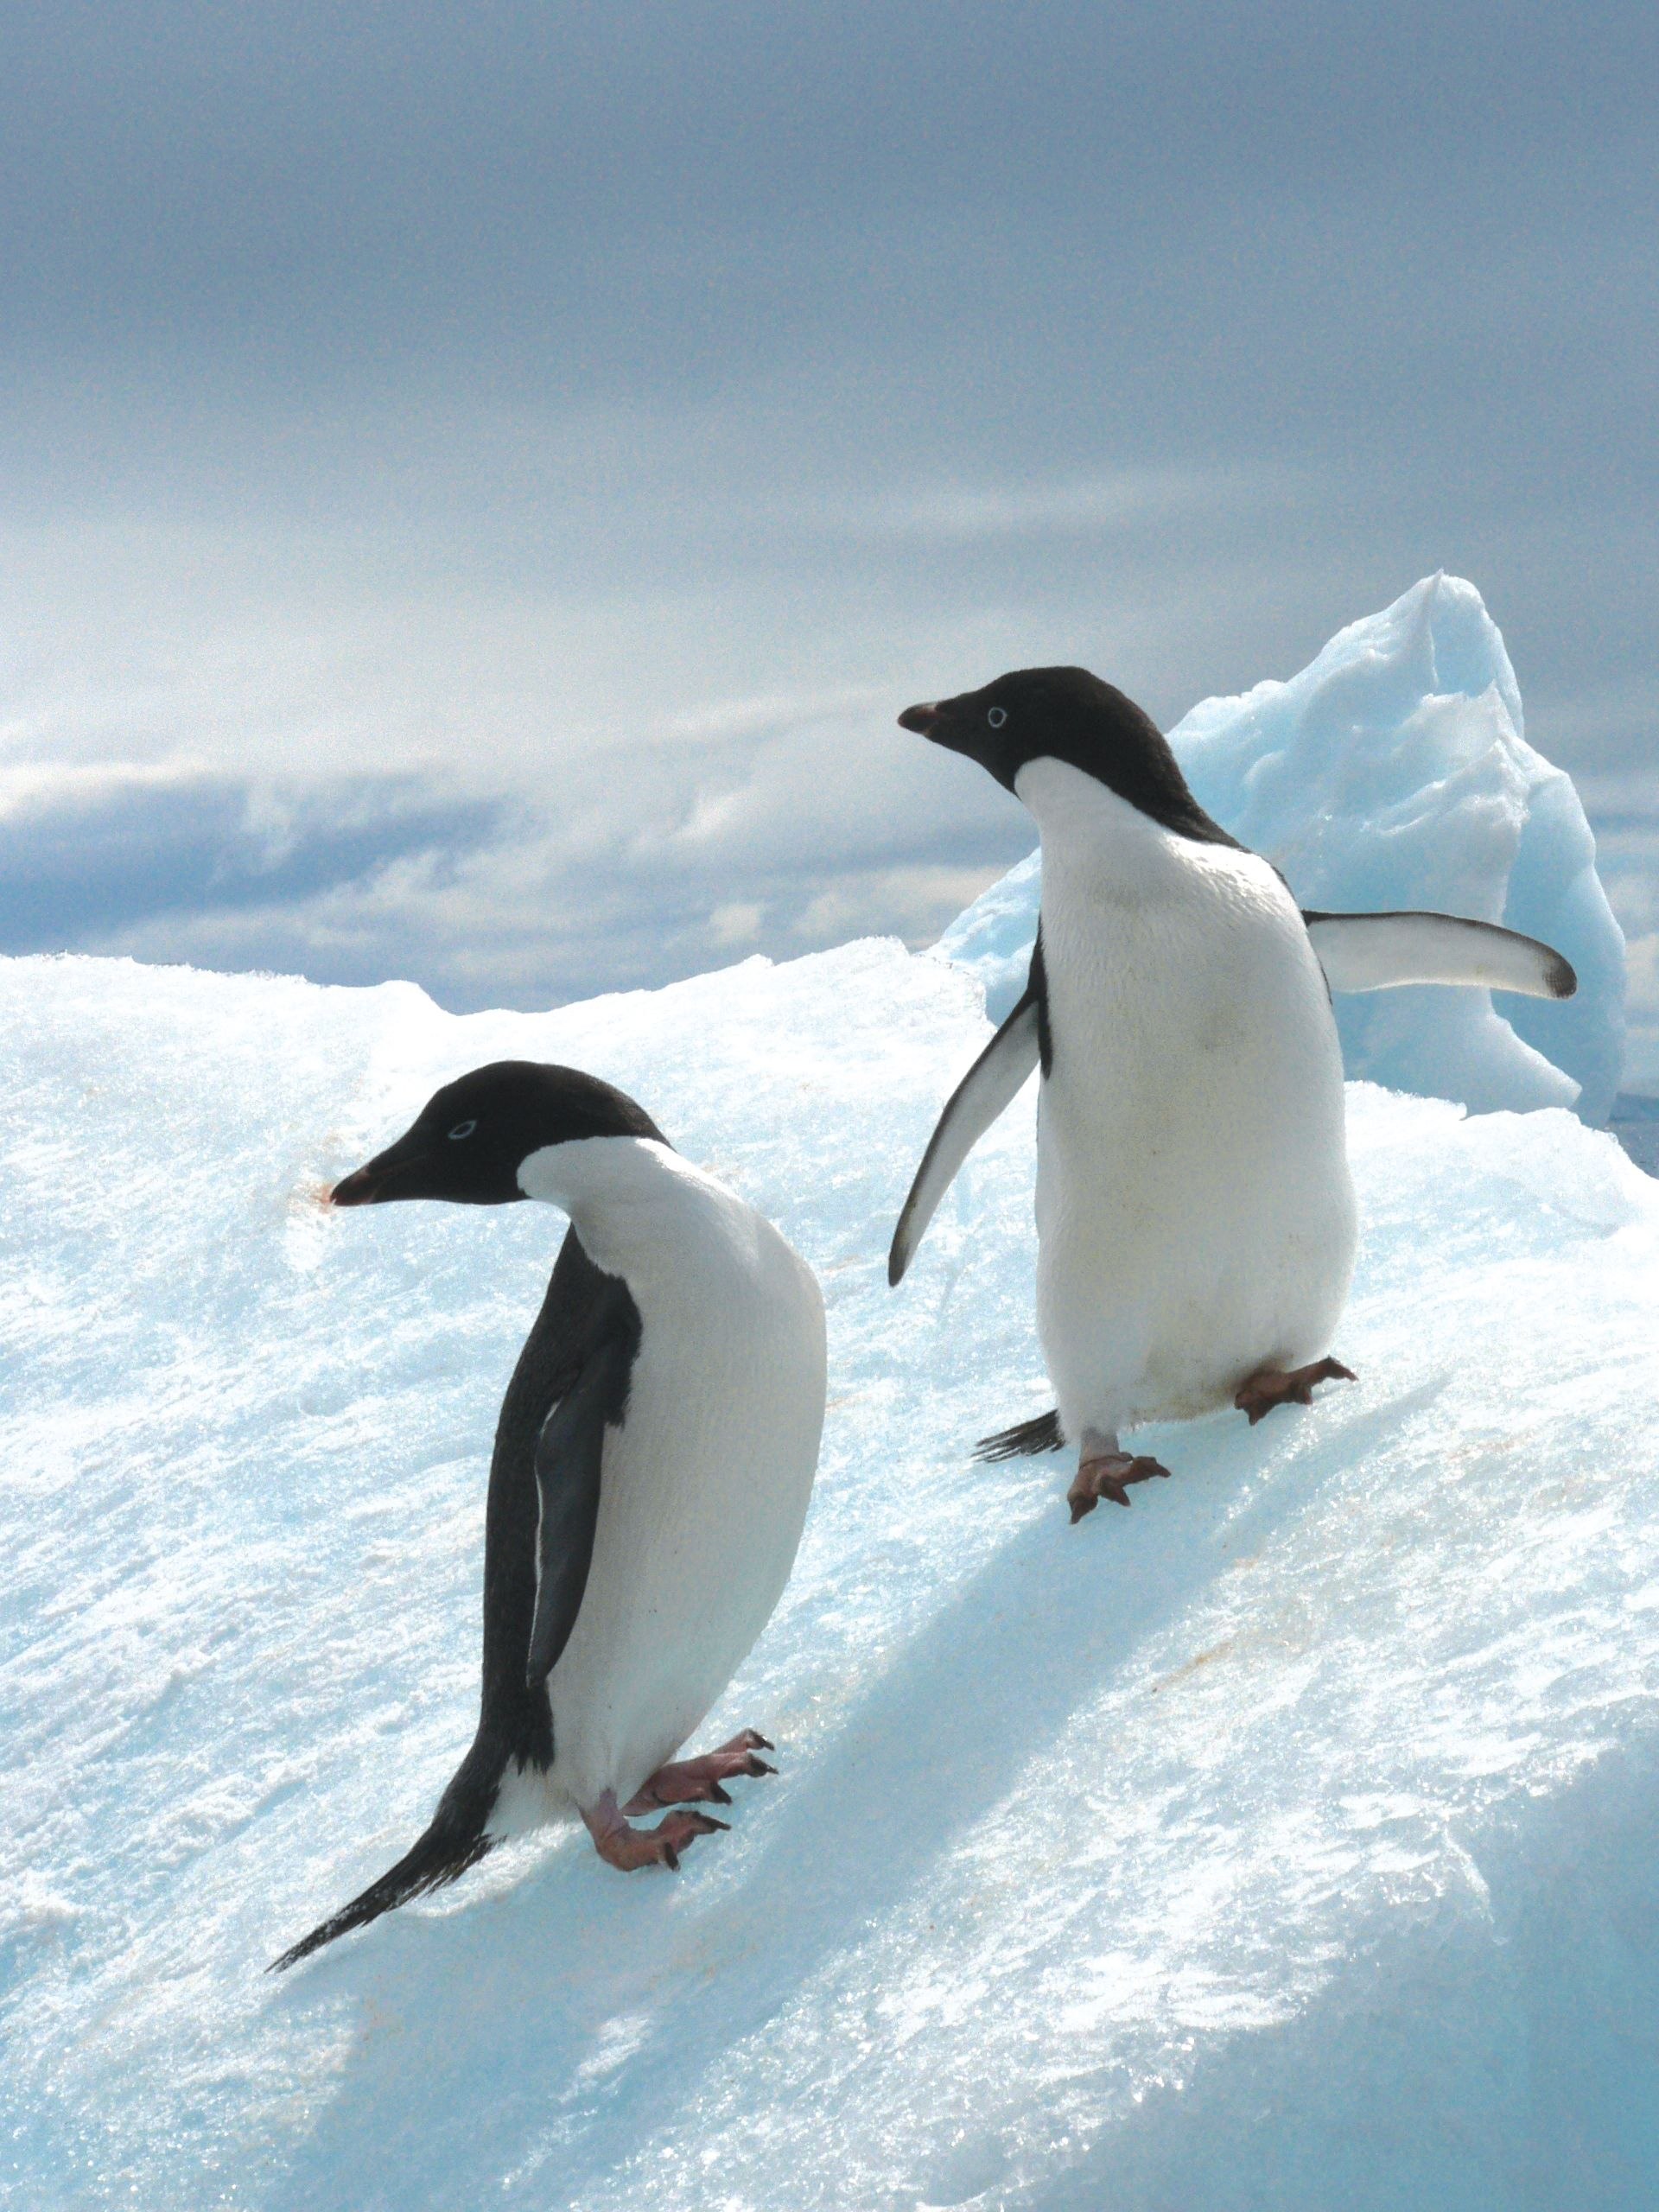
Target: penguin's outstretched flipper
<point>989,1086</point>
<point>1376,952</point>
<point>456,1840</point>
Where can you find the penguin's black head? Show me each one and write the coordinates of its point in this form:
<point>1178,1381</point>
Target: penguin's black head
<point>1066,714</point>
<point>469,1140</point>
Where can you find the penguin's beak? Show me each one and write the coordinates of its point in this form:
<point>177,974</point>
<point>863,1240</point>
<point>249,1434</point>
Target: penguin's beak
<point>388,1175</point>
<point>921,719</point>
<point>361,1189</point>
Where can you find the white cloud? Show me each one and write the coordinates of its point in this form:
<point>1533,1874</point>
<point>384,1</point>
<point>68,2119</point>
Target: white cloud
<point>1091,504</point>
<point>737,922</point>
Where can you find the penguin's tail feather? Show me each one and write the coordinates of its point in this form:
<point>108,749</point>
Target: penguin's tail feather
<point>456,1840</point>
<point>1024,1439</point>
<point>434,1860</point>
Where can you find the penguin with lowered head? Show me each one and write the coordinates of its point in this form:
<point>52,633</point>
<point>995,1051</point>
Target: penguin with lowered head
<point>1196,1221</point>
<point>654,1461</point>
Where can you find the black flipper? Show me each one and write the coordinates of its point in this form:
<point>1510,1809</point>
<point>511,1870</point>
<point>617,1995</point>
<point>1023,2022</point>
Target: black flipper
<point>579,1313</point>
<point>1378,952</point>
<point>568,1456</point>
<point>987,1089</point>
<point>1024,1439</point>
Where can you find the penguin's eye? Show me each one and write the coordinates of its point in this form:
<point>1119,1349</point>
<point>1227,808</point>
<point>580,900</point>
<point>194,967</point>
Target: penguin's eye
<point>462,1130</point>
<point>997,716</point>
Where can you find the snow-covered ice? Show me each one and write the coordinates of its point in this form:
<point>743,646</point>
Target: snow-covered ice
<point>1291,1840</point>
<point>1393,772</point>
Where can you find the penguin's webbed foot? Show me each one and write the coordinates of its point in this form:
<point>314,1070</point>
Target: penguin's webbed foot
<point>1106,1474</point>
<point>1272,1388</point>
<point>629,1848</point>
<point>697,1782</point>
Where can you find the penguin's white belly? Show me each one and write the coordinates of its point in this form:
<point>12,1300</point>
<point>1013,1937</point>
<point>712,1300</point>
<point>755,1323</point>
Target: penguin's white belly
<point>704,1492</point>
<point>1195,1215</point>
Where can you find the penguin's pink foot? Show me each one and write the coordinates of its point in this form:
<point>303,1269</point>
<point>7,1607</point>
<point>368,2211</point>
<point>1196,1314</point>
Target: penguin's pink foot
<point>1271,1387</point>
<point>696,1782</point>
<point>1105,1474</point>
<point>627,1848</point>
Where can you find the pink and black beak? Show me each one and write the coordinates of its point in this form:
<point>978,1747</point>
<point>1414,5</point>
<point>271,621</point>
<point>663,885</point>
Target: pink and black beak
<point>404,1170</point>
<point>466,1158</point>
<point>360,1189</point>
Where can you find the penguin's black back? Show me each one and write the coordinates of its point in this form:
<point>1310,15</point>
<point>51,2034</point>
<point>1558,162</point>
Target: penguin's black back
<point>514,1721</point>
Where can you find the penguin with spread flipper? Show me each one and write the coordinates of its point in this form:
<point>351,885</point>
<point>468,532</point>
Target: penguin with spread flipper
<point>1196,1220</point>
<point>653,1462</point>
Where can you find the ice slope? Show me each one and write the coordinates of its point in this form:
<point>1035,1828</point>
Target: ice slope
<point>1291,1840</point>
<point>1393,772</point>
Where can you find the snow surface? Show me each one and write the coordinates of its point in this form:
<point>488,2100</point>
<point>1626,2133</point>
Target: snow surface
<point>1392,771</point>
<point>1291,1840</point>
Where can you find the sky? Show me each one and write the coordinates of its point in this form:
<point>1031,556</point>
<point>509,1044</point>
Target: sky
<point>476,486</point>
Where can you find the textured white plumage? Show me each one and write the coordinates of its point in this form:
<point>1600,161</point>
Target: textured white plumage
<point>1195,1216</point>
<point>704,1488</point>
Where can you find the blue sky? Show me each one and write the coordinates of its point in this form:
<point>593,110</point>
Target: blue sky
<point>476,486</point>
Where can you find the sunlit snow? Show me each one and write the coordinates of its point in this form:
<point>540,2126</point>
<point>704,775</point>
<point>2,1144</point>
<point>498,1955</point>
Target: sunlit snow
<point>1392,771</point>
<point>1290,1840</point>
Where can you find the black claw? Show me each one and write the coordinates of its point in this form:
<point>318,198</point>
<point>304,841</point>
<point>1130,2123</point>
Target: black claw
<point>671,1859</point>
<point>717,1796</point>
<point>710,1822</point>
<point>760,1767</point>
<point>760,1743</point>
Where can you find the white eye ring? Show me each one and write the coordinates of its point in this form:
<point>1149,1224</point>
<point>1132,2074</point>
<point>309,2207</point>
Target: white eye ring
<point>462,1130</point>
<point>997,716</point>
